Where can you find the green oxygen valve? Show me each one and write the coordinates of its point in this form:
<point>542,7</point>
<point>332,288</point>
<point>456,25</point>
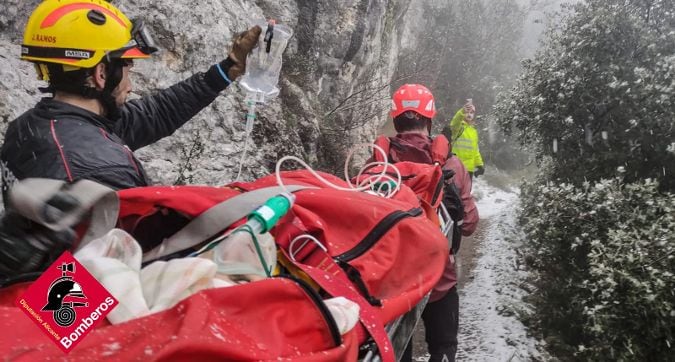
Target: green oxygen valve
<point>384,186</point>
<point>269,213</point>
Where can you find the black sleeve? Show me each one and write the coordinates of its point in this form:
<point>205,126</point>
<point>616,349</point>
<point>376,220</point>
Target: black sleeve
<point>151,118</point>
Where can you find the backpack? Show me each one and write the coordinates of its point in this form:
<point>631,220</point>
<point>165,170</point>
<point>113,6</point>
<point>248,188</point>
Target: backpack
<point>422,179</point>
<point>383,254</point>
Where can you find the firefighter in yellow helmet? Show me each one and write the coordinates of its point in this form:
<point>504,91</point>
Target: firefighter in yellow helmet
<point>86,129</point>
<point>464,138</point>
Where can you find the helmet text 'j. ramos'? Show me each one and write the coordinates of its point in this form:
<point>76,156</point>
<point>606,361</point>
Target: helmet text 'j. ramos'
<point>44,38</point>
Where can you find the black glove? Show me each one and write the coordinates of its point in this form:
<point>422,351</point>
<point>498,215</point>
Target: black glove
<point>27,247</point>
<point>479,171</point>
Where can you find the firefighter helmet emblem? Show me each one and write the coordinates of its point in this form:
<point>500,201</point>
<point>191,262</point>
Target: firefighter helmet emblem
<point>61,288</point>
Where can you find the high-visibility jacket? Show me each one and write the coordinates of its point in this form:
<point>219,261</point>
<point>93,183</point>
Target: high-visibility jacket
<point>465,142</point>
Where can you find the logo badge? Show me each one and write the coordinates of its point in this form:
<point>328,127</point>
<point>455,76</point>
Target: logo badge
<point>410,103</point>
<point>66,302</point>
<point>77,54</point>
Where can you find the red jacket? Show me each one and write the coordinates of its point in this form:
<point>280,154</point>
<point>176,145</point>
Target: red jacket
<point>416,147</point>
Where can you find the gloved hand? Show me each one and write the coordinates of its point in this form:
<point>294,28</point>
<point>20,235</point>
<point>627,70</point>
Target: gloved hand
<point>479,171</point>
<point>28,247</point>
<point>242,45</point>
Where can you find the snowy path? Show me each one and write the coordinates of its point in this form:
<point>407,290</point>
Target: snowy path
<point>489,330</point>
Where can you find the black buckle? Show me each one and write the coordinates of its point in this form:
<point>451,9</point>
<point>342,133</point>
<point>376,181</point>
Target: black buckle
<point>140,38</point>
<point>269,34</point>
<point>143,38</point>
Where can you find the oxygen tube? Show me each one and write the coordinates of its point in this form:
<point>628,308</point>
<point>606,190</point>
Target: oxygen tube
<point>380,183</point>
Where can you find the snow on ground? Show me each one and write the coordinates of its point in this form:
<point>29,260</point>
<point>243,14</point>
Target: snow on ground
<point>489,329</point>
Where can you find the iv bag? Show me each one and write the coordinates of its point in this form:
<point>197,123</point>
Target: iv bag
<point>263,65</point>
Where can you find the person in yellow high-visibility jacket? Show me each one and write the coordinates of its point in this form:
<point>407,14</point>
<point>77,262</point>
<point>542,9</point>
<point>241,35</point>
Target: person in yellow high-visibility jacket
<point>465,139</point>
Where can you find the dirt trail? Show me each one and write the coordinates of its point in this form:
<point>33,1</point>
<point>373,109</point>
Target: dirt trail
<point>488,282</point>
<point>466,262</point>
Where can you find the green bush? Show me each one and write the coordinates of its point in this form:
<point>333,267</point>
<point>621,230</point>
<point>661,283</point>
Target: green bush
<point>603,258</point>
<point>601,93</point>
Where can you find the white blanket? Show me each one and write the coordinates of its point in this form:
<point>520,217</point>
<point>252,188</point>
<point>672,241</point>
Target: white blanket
<point>115,261</point>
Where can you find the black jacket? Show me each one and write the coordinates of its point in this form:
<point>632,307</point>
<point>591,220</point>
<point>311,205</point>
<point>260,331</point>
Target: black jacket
<point>61,141</point>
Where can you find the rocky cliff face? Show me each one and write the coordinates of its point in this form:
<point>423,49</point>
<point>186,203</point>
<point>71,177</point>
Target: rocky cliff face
<point>335,81</point>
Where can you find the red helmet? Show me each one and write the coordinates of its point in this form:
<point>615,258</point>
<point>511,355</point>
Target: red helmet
<point>413,97</point>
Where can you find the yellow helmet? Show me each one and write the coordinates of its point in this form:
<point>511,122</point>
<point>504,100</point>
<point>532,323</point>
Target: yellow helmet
<point>81,33</point>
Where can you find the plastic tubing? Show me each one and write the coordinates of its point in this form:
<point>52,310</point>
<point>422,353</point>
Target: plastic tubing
<point>250,117</point>
<point>362,186</point>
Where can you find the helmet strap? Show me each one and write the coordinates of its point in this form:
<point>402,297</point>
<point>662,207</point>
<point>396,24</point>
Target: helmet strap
<point>75,82</point>
<point>114,73</point>
<point>72,81</point>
